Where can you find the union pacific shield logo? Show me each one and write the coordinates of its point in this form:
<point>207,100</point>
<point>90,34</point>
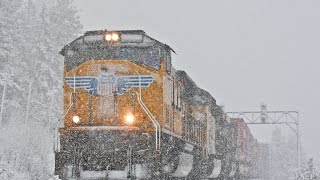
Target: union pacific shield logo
<point>108,84</point>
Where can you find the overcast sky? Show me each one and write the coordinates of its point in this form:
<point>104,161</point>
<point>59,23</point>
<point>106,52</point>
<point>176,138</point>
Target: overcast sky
<point>242,52</point>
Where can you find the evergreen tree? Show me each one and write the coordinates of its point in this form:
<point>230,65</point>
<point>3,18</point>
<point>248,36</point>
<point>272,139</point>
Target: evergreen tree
<point>308,171</point>
<point>282,151</point>
<point>31,35</point>
<point>9,20</point>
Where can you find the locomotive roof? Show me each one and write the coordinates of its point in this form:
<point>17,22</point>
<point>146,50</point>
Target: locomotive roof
<point>96,38</point>
<point>193,94</point>
<point>192,91</point>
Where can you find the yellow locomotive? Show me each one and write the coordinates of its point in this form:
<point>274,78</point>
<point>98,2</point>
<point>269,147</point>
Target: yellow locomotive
<point>130,114</point>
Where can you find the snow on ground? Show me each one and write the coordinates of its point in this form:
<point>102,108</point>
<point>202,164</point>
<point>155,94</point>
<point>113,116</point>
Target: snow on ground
<point>26,152</point>
<point>7,172</point>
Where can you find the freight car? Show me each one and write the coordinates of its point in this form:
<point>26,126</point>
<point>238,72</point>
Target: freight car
<point>247,150</point>
<point>130,114</point>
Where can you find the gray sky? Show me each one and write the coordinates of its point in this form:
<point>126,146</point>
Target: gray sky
<point>242,52</point>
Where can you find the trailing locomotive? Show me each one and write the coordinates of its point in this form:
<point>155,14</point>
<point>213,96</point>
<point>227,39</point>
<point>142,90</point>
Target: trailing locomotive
<point>130,114</point>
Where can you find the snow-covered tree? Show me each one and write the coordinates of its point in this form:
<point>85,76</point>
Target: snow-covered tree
<point>282,152</point>
<point>308,171</point>
<point>9,20</point>
<point>31,35</point>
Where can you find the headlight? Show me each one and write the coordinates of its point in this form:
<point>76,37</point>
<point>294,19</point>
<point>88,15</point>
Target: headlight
<point>112,37</point>
<point>108,37</point>
<point>129,119</point>
<point>76,119</point>
<point>115,37</point>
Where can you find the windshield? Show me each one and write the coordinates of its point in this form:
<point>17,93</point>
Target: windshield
<point>149,56</point>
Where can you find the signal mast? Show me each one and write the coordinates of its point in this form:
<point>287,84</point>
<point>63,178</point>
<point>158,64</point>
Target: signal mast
<point>265,117</point>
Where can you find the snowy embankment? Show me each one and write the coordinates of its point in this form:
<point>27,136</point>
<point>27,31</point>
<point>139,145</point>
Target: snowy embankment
<point>26,152</point>
<point>8,172</point>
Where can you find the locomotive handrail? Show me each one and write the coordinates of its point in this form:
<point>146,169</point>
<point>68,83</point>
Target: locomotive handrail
<point>57,147</point>
<point>153,119</point>
<point>69,107</point>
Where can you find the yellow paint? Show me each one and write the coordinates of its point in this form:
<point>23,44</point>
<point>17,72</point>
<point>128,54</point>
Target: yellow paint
<point>152,96</point>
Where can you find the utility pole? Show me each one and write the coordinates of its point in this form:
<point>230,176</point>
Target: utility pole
<point>5,78</point>
<point>263,117</point>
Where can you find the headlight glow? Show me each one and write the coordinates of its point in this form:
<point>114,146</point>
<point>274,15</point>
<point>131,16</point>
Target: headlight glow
<point>112,37</point>
<point>108,37</point>
<point>129,119</point>
<point>76,119</point>
<point>115,37</point>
